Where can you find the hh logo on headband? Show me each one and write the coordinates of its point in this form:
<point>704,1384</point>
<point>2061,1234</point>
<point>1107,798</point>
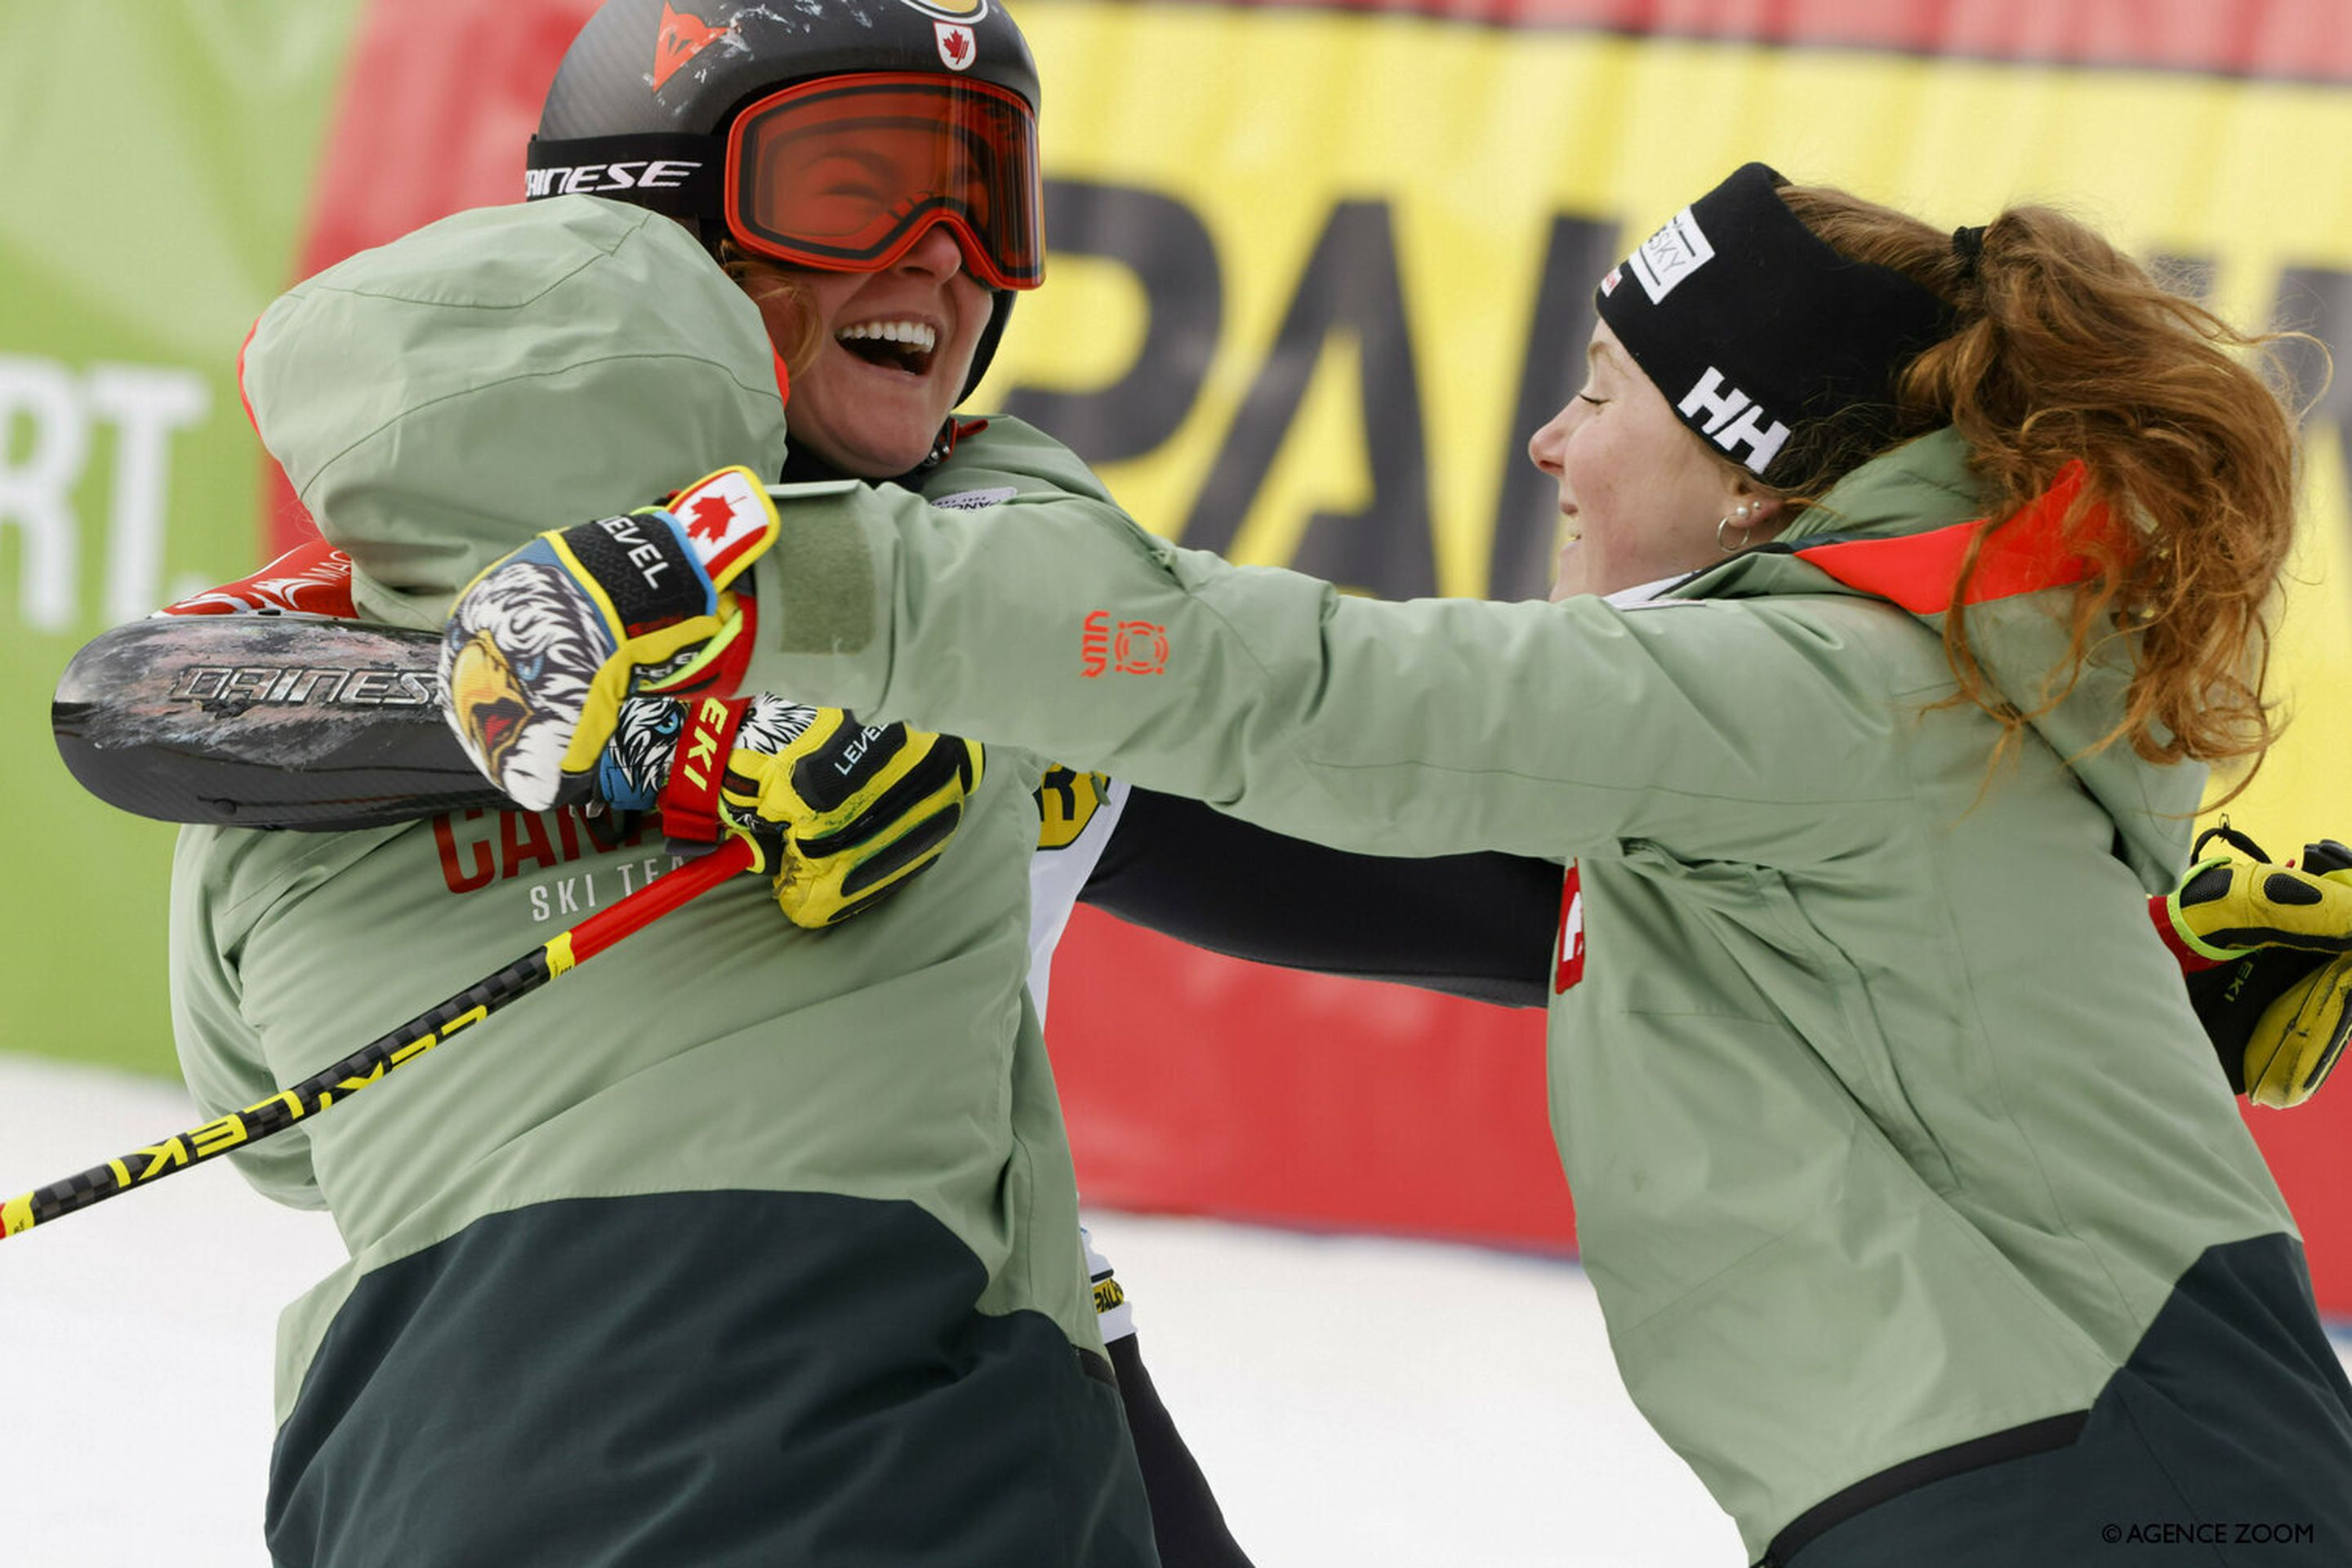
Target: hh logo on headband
<point>1733,419</point>
<point>1671,255</point>
<point>956,44</point>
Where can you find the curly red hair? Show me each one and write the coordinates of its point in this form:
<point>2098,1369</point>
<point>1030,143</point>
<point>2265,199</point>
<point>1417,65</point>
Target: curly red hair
<point>2067,348</point>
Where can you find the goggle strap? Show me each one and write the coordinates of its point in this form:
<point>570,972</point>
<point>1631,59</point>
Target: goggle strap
<point>675,176</point>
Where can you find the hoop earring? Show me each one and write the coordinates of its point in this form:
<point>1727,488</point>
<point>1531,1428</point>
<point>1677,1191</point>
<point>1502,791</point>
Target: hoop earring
<point>1724,544</point>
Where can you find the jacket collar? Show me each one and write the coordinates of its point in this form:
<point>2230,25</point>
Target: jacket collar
<point>1922,572</point>
<point>1899,528</point>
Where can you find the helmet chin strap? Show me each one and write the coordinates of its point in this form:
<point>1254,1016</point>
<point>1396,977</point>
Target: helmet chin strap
<point>984,351</point>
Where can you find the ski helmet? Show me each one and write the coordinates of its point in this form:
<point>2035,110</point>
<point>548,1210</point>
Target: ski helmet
<point>727,121</point>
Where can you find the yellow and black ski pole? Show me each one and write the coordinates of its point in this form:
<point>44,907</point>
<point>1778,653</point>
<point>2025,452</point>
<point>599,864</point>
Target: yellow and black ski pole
<point>552,960</point>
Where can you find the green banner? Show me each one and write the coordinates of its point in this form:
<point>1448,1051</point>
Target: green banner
<point>160,161</point>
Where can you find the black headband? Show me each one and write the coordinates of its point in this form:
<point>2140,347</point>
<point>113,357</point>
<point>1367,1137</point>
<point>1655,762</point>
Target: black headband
<point>1766,341</point>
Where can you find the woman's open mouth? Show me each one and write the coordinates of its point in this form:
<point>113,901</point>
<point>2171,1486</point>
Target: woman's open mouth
<point>899,345</point>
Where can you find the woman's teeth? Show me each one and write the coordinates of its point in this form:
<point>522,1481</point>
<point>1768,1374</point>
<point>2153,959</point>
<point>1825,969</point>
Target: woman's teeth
<point>915,335</point>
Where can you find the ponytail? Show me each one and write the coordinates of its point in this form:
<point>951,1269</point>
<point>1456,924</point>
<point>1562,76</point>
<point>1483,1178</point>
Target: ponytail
<point>2068,350</point>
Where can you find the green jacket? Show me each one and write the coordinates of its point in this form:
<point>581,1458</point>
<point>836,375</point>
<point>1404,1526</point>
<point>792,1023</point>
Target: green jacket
<point>1888,1124</point>
<point>745,1243</point>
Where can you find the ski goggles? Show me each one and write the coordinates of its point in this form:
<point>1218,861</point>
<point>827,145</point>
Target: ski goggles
<point>845,173</point>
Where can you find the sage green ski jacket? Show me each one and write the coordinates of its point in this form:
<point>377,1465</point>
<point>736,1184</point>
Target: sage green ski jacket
<point>1889,1127</point>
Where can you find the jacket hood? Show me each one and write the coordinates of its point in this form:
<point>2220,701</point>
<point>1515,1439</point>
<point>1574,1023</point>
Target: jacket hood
<point>436,401</point>
<point>1896,529</point>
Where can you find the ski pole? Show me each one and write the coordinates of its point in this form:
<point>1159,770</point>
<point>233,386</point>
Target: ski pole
<point>552,960</point>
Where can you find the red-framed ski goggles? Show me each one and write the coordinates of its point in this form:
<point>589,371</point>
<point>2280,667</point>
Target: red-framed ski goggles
<point>845,173</point>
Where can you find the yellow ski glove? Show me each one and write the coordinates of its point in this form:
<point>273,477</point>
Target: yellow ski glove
<point>844,813</point>
<point>2266,951</point>
<point>860,807</point>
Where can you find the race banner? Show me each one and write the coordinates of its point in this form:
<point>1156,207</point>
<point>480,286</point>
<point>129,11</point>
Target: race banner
<point>1316,273</point>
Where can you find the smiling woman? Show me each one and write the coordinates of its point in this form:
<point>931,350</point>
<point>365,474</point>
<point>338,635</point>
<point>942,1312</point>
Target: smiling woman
<point>894,203</point>
<point>889,353</point>
<point>1636,494</point>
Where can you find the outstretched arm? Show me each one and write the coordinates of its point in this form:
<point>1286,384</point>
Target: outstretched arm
<point>1433,726</point>
<point>1478,926</point>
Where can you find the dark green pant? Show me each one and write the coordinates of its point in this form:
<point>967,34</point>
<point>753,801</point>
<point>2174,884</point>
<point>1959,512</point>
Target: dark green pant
<point>2226,1439</point>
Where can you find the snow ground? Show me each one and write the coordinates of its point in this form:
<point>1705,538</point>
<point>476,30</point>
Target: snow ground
<point>1374,1402</point>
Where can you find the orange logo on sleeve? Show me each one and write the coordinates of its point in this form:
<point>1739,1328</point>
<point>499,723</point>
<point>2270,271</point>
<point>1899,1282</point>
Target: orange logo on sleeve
<point>1131,648</point>
<point>679,40</point>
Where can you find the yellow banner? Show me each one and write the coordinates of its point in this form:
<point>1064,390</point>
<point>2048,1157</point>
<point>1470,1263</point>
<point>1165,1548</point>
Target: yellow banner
<point>1317,275</point>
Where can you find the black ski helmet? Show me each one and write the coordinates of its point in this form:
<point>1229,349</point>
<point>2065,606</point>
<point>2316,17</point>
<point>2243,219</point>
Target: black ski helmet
<point>641,107</point>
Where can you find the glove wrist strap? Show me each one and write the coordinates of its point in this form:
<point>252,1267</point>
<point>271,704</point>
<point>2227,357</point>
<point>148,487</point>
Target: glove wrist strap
<point>2191,960</point>
<point>689,800</point>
